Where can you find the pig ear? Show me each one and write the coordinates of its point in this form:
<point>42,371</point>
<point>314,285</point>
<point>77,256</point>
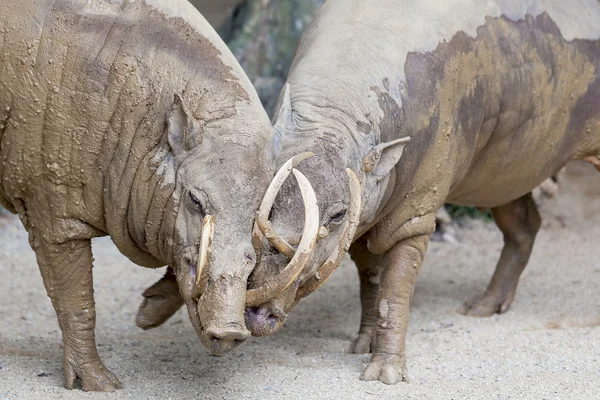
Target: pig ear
<point>183,130</point>
<point>383,157</point>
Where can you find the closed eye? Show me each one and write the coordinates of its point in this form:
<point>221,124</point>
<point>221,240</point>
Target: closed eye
<point>339,217</point>
<point>195,201</point>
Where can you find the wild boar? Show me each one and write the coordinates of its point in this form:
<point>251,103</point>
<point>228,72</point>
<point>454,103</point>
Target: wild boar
<point>131,119</point>
<point>410,104</point>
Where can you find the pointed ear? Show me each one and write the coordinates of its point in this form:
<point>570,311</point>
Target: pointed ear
<point>383,157</point>
<point>182,128</point>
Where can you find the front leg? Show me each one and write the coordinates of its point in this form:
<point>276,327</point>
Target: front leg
<point>161,301</point>
<point>67,272</point>
<point>369,271</point>
<point>400,268</point>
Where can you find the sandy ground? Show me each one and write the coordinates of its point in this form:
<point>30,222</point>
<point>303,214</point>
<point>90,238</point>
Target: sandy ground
<point>546,347</point>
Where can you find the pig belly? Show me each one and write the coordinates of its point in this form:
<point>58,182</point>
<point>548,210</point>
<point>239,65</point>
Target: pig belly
<point>497,179</point>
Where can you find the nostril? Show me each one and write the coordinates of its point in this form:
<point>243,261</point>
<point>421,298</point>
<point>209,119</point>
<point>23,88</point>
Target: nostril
<point>214,339</point>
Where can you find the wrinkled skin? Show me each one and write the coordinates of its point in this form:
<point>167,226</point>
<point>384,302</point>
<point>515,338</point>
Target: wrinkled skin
<point>130,120</point>
<point>486,127</point>
<point>288,223</point>
<point>326,172</point>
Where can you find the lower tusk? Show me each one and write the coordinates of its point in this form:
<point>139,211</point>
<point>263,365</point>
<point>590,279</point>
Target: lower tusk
<point>336,257</point>
<point>262,218</point>
<point>285,278</point>
<point>208,228</point>
<point>257,241</point>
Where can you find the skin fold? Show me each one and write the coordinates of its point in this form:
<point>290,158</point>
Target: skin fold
<point>131,120</point>
<point>496,97</point>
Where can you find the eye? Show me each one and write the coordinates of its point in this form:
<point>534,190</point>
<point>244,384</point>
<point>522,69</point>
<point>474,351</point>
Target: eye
<point>195,201</point>
<point>339,217</point>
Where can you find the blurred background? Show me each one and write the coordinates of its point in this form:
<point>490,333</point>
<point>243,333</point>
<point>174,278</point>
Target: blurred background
<point>263,35</point>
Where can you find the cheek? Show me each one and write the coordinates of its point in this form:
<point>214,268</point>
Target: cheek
<point>189,224</point>
<point>180,230</point>
<point>372,197</point>
<point>289,228</point>
<point>271,263</point>
<point>327,247</point>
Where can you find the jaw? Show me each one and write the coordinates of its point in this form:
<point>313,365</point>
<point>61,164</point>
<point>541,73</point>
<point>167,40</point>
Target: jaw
<point>215,347</point>
<point>216,303</point>
<point>268,318</point>
<point>192,308</point>
<point>186,281</point>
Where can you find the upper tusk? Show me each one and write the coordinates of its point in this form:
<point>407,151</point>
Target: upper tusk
<point>285,278</point>
<point>262,218</point>
<point>208,228</point>
<point>336,257</point>
<point>256,241</point>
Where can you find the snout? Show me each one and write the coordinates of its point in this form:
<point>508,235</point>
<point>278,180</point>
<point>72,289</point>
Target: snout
<point>222,339</point>
<point>264,320</point>
<point>221,312</point>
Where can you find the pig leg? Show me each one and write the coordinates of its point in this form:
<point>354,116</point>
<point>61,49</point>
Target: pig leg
<point>67,273</point>
<point>400,267</point>
<point>161,301</point>
<point>519,221</point>
<point>369,272</point>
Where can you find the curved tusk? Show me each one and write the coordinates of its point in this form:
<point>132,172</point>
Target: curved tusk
<point>285,278</point>
<point>262,218</point>
<point>336,256</point>
<point>208,230</point>
<point>257,241</point>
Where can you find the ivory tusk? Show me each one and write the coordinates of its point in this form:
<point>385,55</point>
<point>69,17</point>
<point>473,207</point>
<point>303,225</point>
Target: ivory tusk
<point>208,228</point>
<point>256,241</point>
<point>262,218</point>
<point>336,257</point>
<point>285,278</point>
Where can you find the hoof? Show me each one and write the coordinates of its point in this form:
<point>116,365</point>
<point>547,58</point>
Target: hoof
<point>156,310</point>
<point>487,304</point>
<point>94,377</point>
<point>161,301</point>
<point>363,344</point>
<point>386,370</point>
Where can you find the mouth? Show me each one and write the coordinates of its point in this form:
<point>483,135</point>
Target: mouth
<point>217,347</point>
<point>220,341</point>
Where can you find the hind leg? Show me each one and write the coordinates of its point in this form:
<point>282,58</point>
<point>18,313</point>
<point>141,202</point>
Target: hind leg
<point>369,271</point>
<point>161,301</point>
<point>519,221</point>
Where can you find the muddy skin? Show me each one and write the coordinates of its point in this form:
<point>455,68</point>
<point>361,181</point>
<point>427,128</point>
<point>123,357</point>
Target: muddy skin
<point>519,221</point>
<point>369,267</point>
<point>500,103</point>
<point>161,301</point>
<point>129,119</point>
